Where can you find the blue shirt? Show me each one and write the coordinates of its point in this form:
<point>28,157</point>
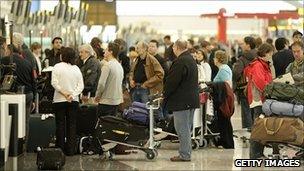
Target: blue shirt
<point>224,74</point>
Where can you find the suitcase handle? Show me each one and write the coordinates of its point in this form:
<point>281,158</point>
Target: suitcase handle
<point>272,132</point>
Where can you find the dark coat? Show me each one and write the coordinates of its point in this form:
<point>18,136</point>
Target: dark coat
<point>169,54</point>
<point>281,60</point>
<point>181,84</point>
<point>52,57</point>
<point>125,63</point>
<point>163,63</point>
<point>91,71</point>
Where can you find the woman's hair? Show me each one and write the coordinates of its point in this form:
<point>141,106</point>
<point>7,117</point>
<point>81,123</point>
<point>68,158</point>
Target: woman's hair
<point>114,48</point>
<point>68,55</point>
<point>35,46</point>
<point>221,57</point>
<point>204,55</point>
<point>88,48</point>
<point>264,49</point>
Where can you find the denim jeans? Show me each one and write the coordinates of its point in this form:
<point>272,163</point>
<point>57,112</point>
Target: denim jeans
<point>183,121</point>
<point>247,119</point>
<point>140,94</point>
<point>256,149</point>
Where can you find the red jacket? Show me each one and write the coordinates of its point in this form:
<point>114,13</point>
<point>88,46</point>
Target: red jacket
<point>258,73</point>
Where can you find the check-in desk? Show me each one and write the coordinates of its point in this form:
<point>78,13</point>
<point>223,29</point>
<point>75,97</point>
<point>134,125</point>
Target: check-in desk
<point>12,125</point>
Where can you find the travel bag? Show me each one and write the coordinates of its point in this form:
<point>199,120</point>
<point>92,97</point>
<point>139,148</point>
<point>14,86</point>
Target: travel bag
<point>50,159</point>
<point>278,129</point>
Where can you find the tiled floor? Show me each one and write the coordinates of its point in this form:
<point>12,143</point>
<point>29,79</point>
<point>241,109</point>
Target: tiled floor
<point>209,158</point>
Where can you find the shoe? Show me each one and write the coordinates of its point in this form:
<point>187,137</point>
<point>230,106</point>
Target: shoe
<point>179,159</point>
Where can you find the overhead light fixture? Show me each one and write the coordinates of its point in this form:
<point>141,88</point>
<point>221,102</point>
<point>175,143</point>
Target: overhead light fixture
<point>109,0</point>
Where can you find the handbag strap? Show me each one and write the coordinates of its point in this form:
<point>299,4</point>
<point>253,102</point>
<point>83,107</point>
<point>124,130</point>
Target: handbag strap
<point>272,132</point>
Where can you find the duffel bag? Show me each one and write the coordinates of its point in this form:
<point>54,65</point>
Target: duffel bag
<point>139,108</point>
<point>278,129</point>
<point>137,114</point>
<point>285,92</point>
<point>282,108</point>
<point>50,159</point>
<point>89,145</point>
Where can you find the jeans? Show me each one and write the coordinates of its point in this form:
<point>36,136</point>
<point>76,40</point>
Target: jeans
<point>247,119</point>
<point>256,149</point>
<point>104,110</point>
<point>183,121</point>
<point>140,94</point>
<point>65,116</point>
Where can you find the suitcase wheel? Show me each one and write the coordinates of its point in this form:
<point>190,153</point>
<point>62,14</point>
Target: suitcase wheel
<point>204,143</point>
<point>195,144</point>
<point>151,154</point>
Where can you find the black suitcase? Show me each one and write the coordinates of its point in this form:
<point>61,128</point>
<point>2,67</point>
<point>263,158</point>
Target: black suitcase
<point>86,120</point>
<point>118,129</point>
<point>41,132</point>
<point>50,159</point>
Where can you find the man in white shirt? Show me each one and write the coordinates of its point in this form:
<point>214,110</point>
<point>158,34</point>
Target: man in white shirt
<point>109,88</point>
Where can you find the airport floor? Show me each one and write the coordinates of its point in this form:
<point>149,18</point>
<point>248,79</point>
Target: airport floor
<point>209,158</point>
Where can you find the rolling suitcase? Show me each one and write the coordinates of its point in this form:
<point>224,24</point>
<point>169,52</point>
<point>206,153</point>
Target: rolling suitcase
<point>118,129</point>
<point>86,120</point>
<point>41,132</point>
<point>50,159</point>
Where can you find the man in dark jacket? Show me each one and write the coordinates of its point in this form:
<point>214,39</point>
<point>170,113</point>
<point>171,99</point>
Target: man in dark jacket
<point>239,81</point>
<point>153,47</point>
<point>91,70</point>
<point>181,96</point>
<point>283,57</point>
<point>54,55</point>
<point>123,58</point>
<point>169,54</point>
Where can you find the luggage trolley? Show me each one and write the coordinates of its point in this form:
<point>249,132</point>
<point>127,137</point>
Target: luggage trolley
<point>201,134</point>
<point>149,148</point>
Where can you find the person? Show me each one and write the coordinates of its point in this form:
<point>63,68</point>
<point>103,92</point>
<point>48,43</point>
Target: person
<point>258,74</point>
<point>153,47</point>
<point>36,49</point>
<point>224,74</point>
<point>190,44</point>
<point>204,69</point>
<point>53,57</point>
<point>123,58</point>
<point>146,76</point>
<point>296,68</point>
<point>96,44</point>
<point>258,42</point>
<point>181,97</point>
<point>68,84</point>
<point>169,54</point>
<point>239,81</point>
<point>25,51</point>
<point>283,57</point>
<point>26,79</point>
<point>90,69</point>
<point>206,46</point>
<point>109,90</point>
<point>296,36</point>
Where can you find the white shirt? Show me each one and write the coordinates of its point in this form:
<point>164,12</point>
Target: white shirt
<point>66,78</point>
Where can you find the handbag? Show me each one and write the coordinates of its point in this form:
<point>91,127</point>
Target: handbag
<point>50,159</point>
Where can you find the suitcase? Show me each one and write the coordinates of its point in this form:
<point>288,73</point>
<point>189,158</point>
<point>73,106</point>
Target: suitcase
<point>282,108</point>
<point>118,129</point>
<point>86,120</point>
<point>41,132</point>
<point>278,129</point>
<point>50,159</point>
